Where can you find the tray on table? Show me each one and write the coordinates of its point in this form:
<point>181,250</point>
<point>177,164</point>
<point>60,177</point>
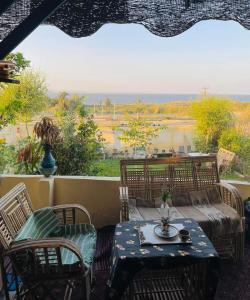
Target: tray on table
<point>147,236</point>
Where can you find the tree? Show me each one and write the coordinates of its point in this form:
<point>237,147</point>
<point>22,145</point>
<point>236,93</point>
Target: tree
<point>233,140</point>
<point>64,101</point>
<point>8,109</point>
<point>213,115</point>
<point>139,133</point>
<point>107,104</point>
<point>60,101</point>
<point>139,107</point>
<point>24,100</point>
<point>21,63</point>
<point>75,102</point>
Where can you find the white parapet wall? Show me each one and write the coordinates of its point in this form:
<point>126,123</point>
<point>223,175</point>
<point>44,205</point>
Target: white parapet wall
<point>100,195</point>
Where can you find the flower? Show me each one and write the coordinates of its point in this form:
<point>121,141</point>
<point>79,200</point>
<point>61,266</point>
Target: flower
<point>47,131</point>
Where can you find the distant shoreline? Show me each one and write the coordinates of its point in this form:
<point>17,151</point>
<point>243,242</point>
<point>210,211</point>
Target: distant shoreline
<point>96,98</point>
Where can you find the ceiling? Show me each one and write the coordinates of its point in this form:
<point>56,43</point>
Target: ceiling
<point>80,18</point>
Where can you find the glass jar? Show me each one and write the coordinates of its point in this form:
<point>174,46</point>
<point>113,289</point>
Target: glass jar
<point>164,211</point>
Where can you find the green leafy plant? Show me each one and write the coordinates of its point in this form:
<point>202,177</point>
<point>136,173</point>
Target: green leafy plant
<point>7,158</point>
<point>28,156</point>
<point>78,150</point>
<point>166,196</point>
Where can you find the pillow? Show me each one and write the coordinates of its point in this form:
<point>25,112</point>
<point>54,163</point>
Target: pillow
<point>214,195</point>
<point>179,198</point>
<point>40,224</point>
<point>199,197</point>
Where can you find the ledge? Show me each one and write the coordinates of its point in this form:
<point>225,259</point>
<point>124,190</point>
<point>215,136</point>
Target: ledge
<point>238,182</point>
<point>101,178</point>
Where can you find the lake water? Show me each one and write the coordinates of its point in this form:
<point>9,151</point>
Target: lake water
<point>178,135</point>
<point>153,98</point>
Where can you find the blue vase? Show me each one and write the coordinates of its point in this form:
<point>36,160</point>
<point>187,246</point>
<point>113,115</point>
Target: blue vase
<point>48,164</point>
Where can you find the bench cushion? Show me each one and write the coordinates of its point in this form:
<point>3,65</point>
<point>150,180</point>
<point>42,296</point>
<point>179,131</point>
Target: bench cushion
<point>40,224</point>
<point>210,227</point>
<point>234,226</point>
<point>84,236</point>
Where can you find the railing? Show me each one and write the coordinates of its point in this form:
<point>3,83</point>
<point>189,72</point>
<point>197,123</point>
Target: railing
<point>100,195</point>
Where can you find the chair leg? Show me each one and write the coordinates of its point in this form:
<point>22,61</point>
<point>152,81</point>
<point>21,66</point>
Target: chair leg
<point>17,285</point>
<point>86,287</point>
<point>68,291</point>
<point>239,246</point>
<point>4,277</point>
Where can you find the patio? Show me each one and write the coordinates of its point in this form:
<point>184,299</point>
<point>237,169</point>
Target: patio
<point>46,192</point>
<point>101,195</point>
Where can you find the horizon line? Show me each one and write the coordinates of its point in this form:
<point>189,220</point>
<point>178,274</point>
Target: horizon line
<point>150,93</point>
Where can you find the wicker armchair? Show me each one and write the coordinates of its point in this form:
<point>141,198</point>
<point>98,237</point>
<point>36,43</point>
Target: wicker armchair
<point>143,181</point>
<point>39,262</point>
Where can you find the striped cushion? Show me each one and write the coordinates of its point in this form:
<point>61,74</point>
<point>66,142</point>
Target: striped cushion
<point>84,236</point>
<point>39,225</point>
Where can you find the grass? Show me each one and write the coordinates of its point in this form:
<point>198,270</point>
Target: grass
<point>231,175</point>
<point>108,167</point>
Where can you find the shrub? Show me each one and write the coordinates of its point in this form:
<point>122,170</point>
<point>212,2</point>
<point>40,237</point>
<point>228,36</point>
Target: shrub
<point>213,115</point>
<point>79,147</point>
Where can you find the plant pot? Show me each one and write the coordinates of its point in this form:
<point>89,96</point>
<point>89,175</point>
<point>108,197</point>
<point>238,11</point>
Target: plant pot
<point>48,164</point>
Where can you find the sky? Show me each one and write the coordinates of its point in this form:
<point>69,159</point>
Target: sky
<point>130,59</point>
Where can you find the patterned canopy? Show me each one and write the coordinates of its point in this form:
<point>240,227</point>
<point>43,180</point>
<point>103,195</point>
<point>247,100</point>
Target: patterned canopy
<point>80,18</point>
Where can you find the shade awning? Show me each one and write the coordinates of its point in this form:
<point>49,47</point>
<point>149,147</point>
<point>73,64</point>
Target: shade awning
<point>80,18</point>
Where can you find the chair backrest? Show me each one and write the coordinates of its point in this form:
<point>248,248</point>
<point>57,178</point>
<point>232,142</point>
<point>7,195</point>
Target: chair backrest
<point>225,159</point>
<point>15,208</point>
<point>147,178</point>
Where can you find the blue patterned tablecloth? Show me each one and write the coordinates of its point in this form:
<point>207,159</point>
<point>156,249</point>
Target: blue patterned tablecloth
<point>129,257</point>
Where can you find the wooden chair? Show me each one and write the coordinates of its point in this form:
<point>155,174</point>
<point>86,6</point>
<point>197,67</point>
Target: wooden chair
<point>143,181</point>
<point>39,263</point>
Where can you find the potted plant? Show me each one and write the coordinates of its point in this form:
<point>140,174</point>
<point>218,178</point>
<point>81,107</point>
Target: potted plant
<point>48,133</point>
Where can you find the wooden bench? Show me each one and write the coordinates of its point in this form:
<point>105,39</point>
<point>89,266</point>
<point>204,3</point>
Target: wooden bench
<point>187,178</point>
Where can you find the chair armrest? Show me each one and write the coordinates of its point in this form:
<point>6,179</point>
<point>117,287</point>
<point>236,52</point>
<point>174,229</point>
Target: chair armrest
<point>124,198</point>
<point>231,196</point>
<point>67,212</point>
<point>47,244</point>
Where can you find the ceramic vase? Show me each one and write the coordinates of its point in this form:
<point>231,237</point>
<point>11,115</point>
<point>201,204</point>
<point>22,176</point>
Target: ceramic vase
<point>48,164</point>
